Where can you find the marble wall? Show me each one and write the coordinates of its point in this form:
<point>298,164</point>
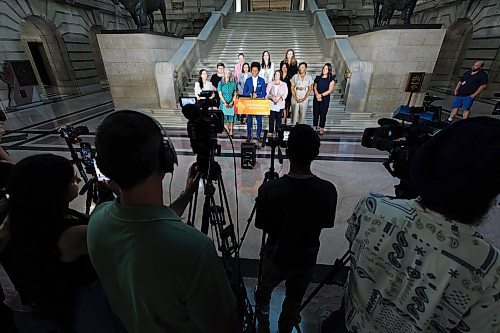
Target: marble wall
<point>395,53</point>
<point>67,30</point>
<point>130,62</point>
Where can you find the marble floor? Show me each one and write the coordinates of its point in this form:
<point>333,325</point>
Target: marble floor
<point>354,170</point>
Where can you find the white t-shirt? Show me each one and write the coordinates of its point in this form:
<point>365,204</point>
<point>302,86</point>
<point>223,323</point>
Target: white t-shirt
<point>207,86</point>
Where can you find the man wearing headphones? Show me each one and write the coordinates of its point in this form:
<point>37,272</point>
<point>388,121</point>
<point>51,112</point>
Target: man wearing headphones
<point>470,85</point>
<point>292,210</point>
<point>160,275</point>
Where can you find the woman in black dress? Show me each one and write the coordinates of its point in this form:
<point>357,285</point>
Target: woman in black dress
<point>288,101</point>
<point>323,87</point>
<point>291,62</point>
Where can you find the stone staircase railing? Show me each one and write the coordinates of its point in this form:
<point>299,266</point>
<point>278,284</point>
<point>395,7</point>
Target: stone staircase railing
<point>192,49</point>
<point>354,75</point>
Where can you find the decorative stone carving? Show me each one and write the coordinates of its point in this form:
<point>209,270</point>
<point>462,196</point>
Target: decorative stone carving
<point>142,11</point>
<point>384,9</point>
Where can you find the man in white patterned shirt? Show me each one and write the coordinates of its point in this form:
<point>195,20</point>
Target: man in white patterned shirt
<point>419,265</point>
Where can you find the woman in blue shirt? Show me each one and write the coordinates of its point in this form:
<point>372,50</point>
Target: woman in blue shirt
<point>323,87</point>
<point>227,93</point>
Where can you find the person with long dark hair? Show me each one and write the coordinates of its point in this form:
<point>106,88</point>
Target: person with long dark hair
<point>291,63</point>
<point>46,257</point>
<point>288,101</point>
<point>323,87</point>
<point>242,78</point>
<point>266,67</point>
<point>202,84</point>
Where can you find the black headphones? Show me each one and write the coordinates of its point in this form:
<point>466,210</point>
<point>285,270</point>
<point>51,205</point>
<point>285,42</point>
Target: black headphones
<point>167,155</point>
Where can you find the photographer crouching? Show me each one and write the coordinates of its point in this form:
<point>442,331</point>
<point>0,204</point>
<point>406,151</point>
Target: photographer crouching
<point>292,210</point>
<point>419,265</point>
<point>45,252</point>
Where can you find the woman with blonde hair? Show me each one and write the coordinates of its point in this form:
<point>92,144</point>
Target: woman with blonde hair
<point>290,62</point>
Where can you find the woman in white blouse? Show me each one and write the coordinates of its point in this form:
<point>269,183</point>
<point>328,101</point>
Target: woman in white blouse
<point>266,67</point>
<point>202,85</point>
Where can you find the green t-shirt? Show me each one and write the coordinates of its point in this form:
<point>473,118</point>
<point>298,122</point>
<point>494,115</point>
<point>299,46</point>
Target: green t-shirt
<point>160,275</point>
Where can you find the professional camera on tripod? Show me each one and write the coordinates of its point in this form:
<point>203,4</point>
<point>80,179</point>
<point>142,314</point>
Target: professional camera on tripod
<point>85,163</point>
<point>402,139</point>
<point>203,127</point>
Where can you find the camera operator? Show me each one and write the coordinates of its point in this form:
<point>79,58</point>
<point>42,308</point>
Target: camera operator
<point>45,253</point>
<point>292,210</point>
<point>160,274</point>
<point>419,265</point>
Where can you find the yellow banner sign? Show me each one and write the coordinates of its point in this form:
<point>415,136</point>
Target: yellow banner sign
<point>260,107</point>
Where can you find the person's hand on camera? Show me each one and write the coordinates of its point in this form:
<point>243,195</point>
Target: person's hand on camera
<point>193,178</point>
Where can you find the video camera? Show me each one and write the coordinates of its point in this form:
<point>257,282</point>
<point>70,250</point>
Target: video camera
<point>202,128</point>
<point>402,139</point>
<point>279,140</point>
<point>87,157</point>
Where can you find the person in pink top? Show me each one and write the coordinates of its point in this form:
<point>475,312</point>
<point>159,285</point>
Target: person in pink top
<point>237,67</point>
<point>277,91</point>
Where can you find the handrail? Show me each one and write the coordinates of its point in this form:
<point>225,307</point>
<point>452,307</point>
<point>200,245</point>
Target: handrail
<point>193,49</point>
<point>353,75</point>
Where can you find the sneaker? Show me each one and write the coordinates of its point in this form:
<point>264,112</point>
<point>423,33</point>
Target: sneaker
<point>259,139</point>
<point>262,315</point>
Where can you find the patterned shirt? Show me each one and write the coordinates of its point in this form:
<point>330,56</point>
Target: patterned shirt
<point>413,270</point>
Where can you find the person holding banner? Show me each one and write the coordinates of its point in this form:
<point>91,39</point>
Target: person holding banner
<point>255,87</point>
<point>227,93</point>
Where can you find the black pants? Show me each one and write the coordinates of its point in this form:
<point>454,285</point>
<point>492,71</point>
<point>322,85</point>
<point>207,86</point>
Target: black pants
<point>320,109</point>
<point>275,120</point>
<point>296,283</point>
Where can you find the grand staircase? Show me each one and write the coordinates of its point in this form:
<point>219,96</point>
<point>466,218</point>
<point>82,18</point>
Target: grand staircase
<point>253,32</point>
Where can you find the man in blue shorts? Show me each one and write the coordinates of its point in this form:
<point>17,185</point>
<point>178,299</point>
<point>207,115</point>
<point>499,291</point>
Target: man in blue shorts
<point>471,84</point>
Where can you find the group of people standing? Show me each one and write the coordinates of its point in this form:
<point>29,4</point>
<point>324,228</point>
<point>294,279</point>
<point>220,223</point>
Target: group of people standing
<point>287,87</point>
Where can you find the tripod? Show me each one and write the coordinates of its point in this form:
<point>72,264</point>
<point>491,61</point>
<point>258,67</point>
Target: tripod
<point>214,216</point>
<point>90,186</point>
<point>269,175</point>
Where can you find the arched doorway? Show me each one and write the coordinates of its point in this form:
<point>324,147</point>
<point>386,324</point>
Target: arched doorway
<point>48,56</point>
<point>452,54</point>
<point>96,53</point>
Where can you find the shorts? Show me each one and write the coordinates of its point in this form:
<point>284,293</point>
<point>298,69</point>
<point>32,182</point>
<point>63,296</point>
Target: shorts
<point>464,102</point>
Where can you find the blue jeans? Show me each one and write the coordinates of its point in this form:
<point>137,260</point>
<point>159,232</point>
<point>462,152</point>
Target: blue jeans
<point>250,125</point>
<point>91,314</point>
